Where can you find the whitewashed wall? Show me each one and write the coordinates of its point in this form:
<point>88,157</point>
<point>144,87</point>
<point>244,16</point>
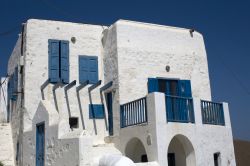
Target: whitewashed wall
<point>15,106</point>
<point>144,50</point>
<point>88,42</point>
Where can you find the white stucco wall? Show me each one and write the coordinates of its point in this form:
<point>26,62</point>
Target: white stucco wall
<point>144,50</point>
<point>15,109</point>
<point>88,42</point>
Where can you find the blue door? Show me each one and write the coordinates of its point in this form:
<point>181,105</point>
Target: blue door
<point>110,112</point>
<point>40,145</point>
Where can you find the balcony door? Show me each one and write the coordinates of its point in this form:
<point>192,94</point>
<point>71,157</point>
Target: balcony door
<point>172,87</point>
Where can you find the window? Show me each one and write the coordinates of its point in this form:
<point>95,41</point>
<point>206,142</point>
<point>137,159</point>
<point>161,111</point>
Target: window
<point>58,61</point>
<point>73,122</point>
<point>217,159</point>
<point>96,111</point>
<point>88,69</point>
<point>170,87</point>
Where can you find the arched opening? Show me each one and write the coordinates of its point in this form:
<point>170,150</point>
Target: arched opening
<point>181,152</point>
<point>136,151</point>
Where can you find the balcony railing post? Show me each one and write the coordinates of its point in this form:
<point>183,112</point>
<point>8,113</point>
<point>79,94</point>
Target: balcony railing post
<point>212,113</point>
<point>134,113</point>
<point>179,109</point>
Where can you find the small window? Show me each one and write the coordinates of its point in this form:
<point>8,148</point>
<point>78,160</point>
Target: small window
<point>73,122</point>
<point>96,111</point>
<point>88,69</point>
<point>217,159</point>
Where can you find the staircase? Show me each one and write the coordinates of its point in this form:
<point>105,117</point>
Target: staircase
<point>6,145</point>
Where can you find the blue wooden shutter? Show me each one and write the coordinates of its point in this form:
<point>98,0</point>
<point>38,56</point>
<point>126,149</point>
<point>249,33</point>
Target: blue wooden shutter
<point>54,61</point>
<point>64,60</point>
<point>93,70</point>
<point>152,85</point>
<point>184,88</point>
<point>96,111</point>
<point>83,69</point>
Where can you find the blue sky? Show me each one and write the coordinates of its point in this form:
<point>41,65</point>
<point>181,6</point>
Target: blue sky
<point>224,24</point>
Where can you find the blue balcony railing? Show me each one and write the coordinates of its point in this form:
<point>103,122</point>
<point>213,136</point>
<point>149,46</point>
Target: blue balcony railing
<point>212,113</point>
<point>134,113</point>
<point>179,109</point>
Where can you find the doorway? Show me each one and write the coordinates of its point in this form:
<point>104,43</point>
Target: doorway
<point>40,137</point>
<point>109,101</point>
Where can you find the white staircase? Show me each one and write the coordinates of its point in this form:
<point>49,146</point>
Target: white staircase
<point>6,145</point>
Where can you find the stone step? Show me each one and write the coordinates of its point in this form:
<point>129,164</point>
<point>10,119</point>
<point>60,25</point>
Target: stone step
<point>6,145</point>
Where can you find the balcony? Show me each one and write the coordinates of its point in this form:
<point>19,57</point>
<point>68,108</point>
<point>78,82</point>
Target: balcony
<point>150,123</point>
<point>212,113</point>
<point>177,109</point>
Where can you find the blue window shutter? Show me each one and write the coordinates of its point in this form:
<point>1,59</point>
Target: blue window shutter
<point>64,60</point>
<point>152,85</point>
<point>88,69</point>
<point>184,88</point>
<point>93,70</point>
<point>54,61</point>
<point>96,111</point>
<point>83,69</point>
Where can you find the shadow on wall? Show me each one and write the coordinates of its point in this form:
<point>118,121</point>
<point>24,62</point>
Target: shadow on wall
<point>91,103</point>
<point>79,100</point>
<point>135,150</point>
<point>181,152</point>
<point>66,88</point>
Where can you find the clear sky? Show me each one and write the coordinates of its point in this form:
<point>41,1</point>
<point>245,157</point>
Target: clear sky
<point>224,24</point>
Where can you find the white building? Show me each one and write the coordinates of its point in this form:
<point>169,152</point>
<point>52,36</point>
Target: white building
<point>87,94</point>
